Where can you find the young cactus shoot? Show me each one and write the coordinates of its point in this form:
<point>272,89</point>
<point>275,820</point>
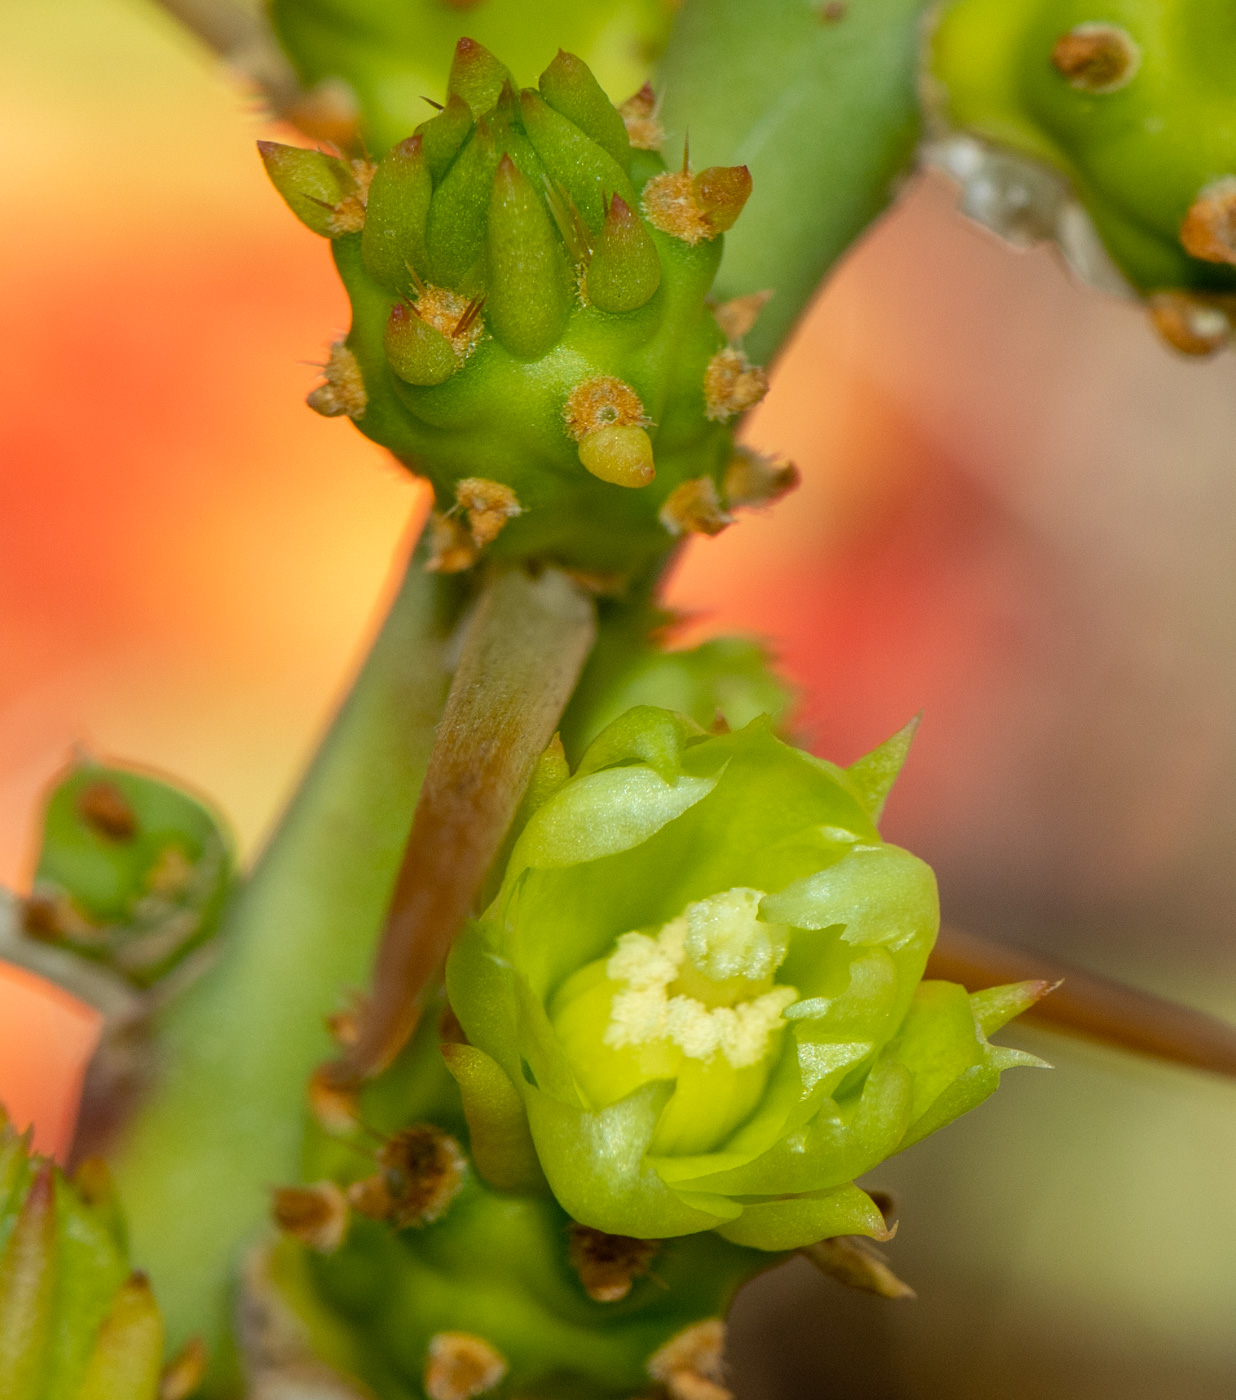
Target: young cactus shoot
<point>530,320</point>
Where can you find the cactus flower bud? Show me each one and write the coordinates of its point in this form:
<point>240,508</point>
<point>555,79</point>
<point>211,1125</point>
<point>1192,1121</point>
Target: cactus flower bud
<point>701,975</point>
<point>1132,115</point>
<point>74,1322</point>
<point>529,211</point>
<point>132,872</point>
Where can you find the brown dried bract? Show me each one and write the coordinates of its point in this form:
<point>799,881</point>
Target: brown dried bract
<point>1209,229</point>
<point>460,1366</point>
<point>344,391</point>
<point>488,506</point>
<point>185,1372</point>
<point>857,1263</point>
<point>732,385</point>
<point>316,1215</point>
<point>753,480</point>
<point>422,1171</point>
<point>608,1265</point>
<point>51,914</point>
<point>639,114</point>
<point>332,1104</point>
<point>1097,58</point>
<point>1189,323</point>
<point>737,316</point>
<point>451,547</point>
<point>691,1365</point>
<point>107,811</point>
<point>605,401</point>
<point>694,508</point>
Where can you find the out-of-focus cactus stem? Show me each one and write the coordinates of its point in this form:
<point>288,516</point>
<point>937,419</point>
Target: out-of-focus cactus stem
<point>524,649</point>
<point>241,36</point>
<point>1089,1005</point>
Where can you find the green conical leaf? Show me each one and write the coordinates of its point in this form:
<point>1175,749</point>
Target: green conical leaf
<point>311,183</point>
<point>396,216</point>
<point>498,1132</point>
<point>569,87</point>
<point>443,135</point>
<point>625,269</point>
<point>477,76</point>
<point>588,173</point>
<point>459,210</point>
<point>528,300</point>
<point>128,1351</point>
<point>417,352</point>
<point>27,1291</point>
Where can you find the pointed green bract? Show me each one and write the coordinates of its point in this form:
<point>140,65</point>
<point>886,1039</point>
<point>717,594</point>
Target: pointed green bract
<point>588,173</point>
<point>455,235</point>
<point>393,240</point>
<point>417,352</point>
<point>74,1324</point>
<point>527,305</point>
<point>477,76</point>
<point>875,773</point>
<point>310,182</point>
<point>443,135</point>
<point>569,88</point>
<point>625,269</point>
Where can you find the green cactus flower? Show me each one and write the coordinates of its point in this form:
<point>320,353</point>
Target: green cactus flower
<point>132,872</point>
<point>699,986</point>
<point>75,1324</point>
<point>1132,102</point>
<point>530,327</point>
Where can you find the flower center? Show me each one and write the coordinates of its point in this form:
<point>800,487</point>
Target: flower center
<point>704,982</point>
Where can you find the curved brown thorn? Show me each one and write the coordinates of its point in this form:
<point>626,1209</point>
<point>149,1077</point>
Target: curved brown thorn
<point>523,650</point>
<point>1090,1005</point>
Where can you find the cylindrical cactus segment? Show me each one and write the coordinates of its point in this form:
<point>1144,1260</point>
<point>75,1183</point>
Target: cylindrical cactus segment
<point>1134,105</point>
<point>575,263</point>
<point>75,1324</point>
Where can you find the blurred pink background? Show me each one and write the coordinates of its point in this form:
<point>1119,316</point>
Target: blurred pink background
<point>1017,515</point>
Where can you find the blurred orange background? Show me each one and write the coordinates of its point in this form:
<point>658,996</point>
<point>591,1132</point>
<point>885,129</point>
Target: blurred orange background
<point>1017,515</point>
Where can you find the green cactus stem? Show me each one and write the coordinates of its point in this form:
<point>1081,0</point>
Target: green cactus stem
<point>225,1117</point>
<point>132,872</point>
<point>75,1322</point>
<point>529,300</point>
<point>1132,105</point>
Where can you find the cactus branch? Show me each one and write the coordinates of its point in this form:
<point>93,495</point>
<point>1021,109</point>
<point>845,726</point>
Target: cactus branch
<point>241,36</point>
<point>524,649</point>
<point>1090,1005</point>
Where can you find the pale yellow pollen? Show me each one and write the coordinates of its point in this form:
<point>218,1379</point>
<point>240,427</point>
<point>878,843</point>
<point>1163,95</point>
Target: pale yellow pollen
<point>718,947</point>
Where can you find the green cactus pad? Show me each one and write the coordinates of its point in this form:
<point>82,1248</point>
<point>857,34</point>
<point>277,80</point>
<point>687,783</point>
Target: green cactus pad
<point>702,977</point>
<point>1132,101</point>
<point>530,316</point>
<point>75,1324</point>
<point>132,871</point>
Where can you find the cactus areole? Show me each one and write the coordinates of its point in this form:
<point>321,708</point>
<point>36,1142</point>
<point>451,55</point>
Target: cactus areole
<point>529,315</point>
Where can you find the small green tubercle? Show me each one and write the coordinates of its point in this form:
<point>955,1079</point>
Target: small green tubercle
<point>75,1322</point>
<point>132,872</point>
<point>1131,100</point>
<point>531,327</point>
